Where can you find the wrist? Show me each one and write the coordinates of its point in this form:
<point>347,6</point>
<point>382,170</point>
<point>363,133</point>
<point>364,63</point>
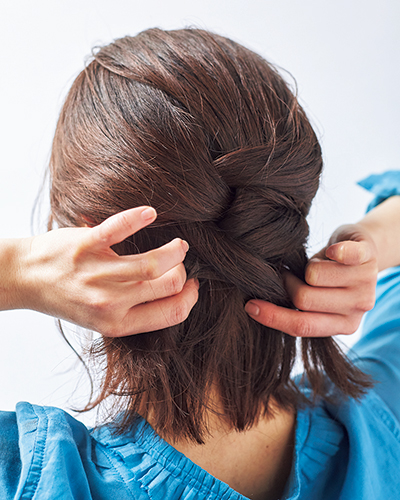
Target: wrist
<point>383,225</point>
<point>12,261</point>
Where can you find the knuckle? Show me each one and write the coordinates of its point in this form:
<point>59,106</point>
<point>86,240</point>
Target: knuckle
<point>106,230</point>
<point>118,222</point>
<point>303,329</point>
<point>98,303</point>
<point>174,284</point>
<point>369,304</point>
<point>78,255</point>
<point>352,326</point>
<point>301,299</point>
<point>366,303</point>
<point>124,220</point>
<point>148,268</point>
<point>179,313</point>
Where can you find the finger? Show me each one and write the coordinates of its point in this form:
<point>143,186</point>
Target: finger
<point>170,283</point>
<point>350,253</point>
<point>144,266</point>
<point>299,323</point>
<point>328,273</point>
<point>119,226</point>
<point>159,314</point>
<point>329,300</point>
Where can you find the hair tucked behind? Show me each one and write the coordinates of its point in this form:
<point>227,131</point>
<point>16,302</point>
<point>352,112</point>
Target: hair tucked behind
<point>210,135</point>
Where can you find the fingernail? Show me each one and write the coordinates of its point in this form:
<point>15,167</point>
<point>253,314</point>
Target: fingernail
<point>185,246</point>
<point>148,214</point>
<point>252,309</point>
<point>340,253</point>
<point>335,252</point>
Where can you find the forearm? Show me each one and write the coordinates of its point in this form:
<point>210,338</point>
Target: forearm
<point>10,273</point>
<point>383,224</point>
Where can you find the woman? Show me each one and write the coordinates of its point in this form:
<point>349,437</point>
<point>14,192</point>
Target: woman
<point>211,136</point>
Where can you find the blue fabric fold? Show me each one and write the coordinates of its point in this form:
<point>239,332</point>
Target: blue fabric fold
<point>344,449</point>
<point>382,186</point>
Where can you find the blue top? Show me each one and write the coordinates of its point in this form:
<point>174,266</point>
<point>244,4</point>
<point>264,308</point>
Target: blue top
<point>347,450</point>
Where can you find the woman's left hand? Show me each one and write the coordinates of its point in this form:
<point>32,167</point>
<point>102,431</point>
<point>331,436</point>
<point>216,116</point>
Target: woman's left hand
<point>74,274</point>
<point>339,289</point>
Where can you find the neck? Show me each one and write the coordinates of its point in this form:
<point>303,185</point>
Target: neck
<point>255,462</point>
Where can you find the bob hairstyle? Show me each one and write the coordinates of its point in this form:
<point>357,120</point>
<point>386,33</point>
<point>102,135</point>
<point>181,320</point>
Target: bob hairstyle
<point>209,134</point>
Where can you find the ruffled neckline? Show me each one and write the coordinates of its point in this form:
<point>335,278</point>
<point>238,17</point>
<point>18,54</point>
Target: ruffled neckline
<point>318,439</point>
<point>164,472</point>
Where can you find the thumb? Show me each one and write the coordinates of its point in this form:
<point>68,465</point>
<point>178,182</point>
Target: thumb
<point>350,245</point>
<point>350,253</point>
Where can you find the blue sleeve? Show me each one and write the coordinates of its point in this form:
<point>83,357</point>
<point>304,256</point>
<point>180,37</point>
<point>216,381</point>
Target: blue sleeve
<point>10,459</point>
<point>382,186</point>
<point>378,351</point>
<point>46,453</point>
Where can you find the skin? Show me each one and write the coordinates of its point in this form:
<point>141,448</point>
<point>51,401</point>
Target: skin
<point>340,279</point>
<point>74,274</point>
<point>339,288</point>
<point>255,462</point>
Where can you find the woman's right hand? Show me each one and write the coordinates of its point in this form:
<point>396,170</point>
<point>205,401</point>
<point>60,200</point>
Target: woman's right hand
<point>340,282</point>
<point>339,288</point>
<point>73,274</point>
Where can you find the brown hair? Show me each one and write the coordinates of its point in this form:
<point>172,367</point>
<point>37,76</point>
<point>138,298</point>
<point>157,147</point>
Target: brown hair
<point>210,135</point>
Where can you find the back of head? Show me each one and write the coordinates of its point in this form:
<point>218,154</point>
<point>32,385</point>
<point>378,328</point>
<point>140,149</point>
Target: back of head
<point>210,135</point>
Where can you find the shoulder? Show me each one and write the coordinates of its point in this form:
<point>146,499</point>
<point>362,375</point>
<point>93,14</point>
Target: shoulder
<point>31,439</point>
<point>46,453</point>
<point>372,433</point>
<point>348,449</point>
<point>10,460</point>
<point>386,312</point>
<point>378,350</point>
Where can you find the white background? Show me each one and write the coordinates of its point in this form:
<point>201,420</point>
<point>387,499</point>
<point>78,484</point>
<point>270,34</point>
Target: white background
<point>343,54</point>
